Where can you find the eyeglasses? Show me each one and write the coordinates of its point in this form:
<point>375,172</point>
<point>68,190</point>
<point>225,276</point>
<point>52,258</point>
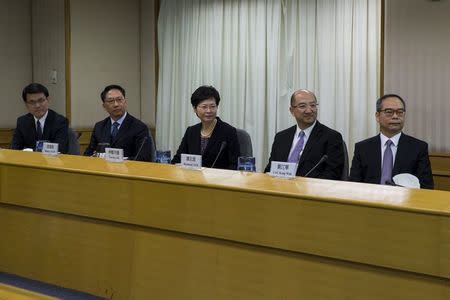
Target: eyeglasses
<point>389,112</point>
<point>36,102</point>
<point>113,100</point>
<point>206,107</point>
<point>304,106</point>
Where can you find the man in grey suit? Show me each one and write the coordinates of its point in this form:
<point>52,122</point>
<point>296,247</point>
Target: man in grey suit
<point>309,142</point>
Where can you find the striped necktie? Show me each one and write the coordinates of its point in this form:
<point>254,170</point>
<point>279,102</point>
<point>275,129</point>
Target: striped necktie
<point>388,163</point>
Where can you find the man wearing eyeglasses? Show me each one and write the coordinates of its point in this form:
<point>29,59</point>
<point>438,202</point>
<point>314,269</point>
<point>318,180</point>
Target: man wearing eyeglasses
<point>41,123</point>
<point>120,130</point>
<point>378,159</point>
<point>317,149</point>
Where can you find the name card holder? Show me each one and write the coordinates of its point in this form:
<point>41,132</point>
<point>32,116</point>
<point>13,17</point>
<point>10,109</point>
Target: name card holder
<point>191,161</point>
<point>283,169</point>
<point>114,154</point>
<point>50,148</point>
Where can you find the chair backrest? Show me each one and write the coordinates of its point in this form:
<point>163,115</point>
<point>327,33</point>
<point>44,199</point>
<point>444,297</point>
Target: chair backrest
<point>245,142</point>
<point>345,169</point>
<point>74,145</point>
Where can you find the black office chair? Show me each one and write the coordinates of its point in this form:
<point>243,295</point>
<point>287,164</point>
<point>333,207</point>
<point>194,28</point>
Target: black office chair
<point>74,145</point>
<point>245,142</point>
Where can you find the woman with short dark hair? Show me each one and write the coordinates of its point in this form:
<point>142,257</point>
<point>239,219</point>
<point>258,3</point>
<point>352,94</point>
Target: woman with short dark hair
<point>211,134</point>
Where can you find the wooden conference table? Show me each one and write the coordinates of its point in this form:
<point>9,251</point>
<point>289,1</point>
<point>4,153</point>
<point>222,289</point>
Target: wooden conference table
<point>146,231</point>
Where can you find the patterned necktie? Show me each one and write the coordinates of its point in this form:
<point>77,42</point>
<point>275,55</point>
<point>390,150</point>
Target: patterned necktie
<point>114,130</point>
<point>388,163</point>
<point>38,130</point>
<point>295,155</point>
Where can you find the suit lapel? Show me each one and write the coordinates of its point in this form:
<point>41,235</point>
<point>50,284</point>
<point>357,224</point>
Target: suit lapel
<point>48,125</point>
<point>401,153</point>
<point>376,161</point>
<point>316,133</point>
<point>32,127</point>
<point>106,131</point>
<point>214,137</point>
<point>288,140</point>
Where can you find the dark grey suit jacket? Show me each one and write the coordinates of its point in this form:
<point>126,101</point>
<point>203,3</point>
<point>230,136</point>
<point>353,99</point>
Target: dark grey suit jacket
<point>323,140</point>
<point>132,133</point>
<point>412,157</point>
<point>55,130</point>
<point>190,144</point>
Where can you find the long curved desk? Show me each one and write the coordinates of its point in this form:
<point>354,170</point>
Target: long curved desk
<point>147,231</point>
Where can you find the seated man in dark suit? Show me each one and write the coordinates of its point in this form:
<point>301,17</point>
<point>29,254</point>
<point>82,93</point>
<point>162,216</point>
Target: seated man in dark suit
<point>378,159</point>
<point>41,123</point>
<point>308,141</point>
<point>120,130</point>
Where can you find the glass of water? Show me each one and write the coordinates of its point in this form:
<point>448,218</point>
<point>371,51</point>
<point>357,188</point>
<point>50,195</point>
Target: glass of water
<point>246,163</point>
<point>163,156</point>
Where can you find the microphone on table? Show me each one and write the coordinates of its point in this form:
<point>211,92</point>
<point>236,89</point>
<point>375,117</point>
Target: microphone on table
<point>140,148</point>
<point>222,146</point>
<point>322,159</point>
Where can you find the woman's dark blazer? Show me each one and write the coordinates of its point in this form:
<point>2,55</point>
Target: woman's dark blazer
<point>223,132</point>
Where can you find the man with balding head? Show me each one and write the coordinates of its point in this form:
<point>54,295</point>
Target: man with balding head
<point>308,141</point>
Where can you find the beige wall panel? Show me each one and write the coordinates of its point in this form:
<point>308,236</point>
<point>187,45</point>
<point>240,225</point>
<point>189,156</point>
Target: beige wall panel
<point>148,62</point>
<point>105,38</point>
<point>417,66</point>
<point>48,49</point>
<point>15,58</point>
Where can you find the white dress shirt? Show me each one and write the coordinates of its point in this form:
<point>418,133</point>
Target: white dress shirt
<point>41,120</point>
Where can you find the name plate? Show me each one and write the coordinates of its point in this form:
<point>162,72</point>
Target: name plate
<point>191,161</point>
<point>50,148</point>
<point>283,169</point>
<point>114,154</point>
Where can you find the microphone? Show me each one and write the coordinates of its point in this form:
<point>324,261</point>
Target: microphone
<point>140,148</point>
<point>322,159</point>
<point>222,146</point>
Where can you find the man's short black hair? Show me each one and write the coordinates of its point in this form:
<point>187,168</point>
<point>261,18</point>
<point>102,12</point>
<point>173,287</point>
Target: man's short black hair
<point>34,88</point>
<point>204,92</point>
<point>380,101</point>
<point>112,87</point>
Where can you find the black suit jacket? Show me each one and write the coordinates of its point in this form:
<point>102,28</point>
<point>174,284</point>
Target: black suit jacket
<point>130,137</point>
<point>323,140</point>
<point>190,144</point>
<point>55,130</point>
<point>412,157</point>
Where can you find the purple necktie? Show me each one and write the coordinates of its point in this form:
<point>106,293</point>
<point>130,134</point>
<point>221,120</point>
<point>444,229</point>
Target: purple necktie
<point>295,155</point>
<point>388,162</point>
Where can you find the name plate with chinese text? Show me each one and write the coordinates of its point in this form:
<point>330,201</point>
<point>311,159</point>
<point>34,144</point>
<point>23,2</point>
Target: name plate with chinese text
<point>191,161</point>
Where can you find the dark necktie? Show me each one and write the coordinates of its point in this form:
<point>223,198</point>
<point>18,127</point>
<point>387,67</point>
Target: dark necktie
<point>38,130</point>
<point>114,130</point>
<point>295,155</point>
<point>388,163</point>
